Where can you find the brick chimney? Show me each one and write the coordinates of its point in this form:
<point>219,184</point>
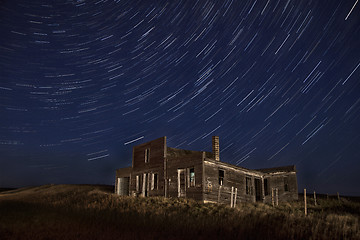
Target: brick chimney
<point>215,148</point>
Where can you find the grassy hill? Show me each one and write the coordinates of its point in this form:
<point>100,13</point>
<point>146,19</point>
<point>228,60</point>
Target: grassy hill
<point>94,212</point>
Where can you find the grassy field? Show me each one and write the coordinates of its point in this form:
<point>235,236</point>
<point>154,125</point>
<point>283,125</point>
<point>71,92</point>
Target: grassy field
<point>94,212</point>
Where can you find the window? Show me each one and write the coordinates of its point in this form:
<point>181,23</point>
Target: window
<point>147,155</point>
<point>286,184</point>
<point>192,177</point>
<point>266,187</point>
<point>137,183</point>
<point>154,181</point>
<point>248,185</point>
<point>221,177</point>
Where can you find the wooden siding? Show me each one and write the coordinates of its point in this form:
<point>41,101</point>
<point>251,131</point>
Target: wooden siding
<point>276,181</point>
<point>175,161</point>
<point>236,177</point>
<point>233,177</point>
<point>154,165</point>
<point>120,173</point>
<point>156,158</point>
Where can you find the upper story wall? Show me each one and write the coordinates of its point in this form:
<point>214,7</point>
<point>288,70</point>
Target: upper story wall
<point>149,155</point>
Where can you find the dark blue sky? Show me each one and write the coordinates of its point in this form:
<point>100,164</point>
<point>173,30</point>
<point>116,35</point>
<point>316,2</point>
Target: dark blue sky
<point>82,82</point>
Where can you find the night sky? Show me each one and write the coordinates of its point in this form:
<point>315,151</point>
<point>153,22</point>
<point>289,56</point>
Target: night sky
<point>82,82</point>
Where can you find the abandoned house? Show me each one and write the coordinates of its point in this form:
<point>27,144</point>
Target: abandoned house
<point>158,170</point>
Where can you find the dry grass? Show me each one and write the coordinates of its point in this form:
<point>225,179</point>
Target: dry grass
<point>94,212</point>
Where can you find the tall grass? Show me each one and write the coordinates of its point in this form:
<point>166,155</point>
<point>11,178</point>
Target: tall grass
<point>93,212</point>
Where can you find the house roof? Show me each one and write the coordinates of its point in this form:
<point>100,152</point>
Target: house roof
<point>219,163</point>
<point>175,152</point>
<point>290,168</point>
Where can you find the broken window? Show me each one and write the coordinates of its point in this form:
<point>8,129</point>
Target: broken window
<point>248,185</point>
<point>266,187</point>
<point>221,177</point>
<point>137,183</point>
<point>154,181</point>
<point>147,155</point>
<point>192,177</point>
<point>286,184</point>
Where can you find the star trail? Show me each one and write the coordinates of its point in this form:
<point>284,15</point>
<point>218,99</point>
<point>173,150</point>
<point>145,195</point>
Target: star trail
<point>81,82</point>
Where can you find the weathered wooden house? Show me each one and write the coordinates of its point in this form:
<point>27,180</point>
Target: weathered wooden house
<point>159,170</point>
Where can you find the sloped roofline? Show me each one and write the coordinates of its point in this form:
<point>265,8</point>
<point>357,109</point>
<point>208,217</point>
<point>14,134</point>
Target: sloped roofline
<point>290,168</point>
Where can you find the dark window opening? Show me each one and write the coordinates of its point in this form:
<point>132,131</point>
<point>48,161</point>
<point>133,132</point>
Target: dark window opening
<point>266,187</point>
<point>248,185</point>
<point>147,155</point>
<point>221,177</point>
<point>192,177</point>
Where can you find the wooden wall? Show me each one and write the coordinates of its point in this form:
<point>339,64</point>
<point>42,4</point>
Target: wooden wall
<point>179,159</point>
<point>276,180</point>
<point>157,153</point>
<point>236,177</point>
<point>233,177</point>
<point>122,172</point>
<point>155,164</point>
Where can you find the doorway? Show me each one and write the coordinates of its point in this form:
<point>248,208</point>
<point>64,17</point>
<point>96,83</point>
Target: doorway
<point>181,183</point>
<point>258,189</point>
